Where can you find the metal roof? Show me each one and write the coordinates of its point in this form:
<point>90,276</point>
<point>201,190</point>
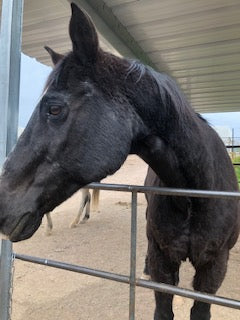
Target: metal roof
<point>197,42</point>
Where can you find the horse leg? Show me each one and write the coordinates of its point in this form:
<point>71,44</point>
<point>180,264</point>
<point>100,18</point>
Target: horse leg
<point>146,274</point>
<point>95,199</point>
<point>87,203</point>
<point>208,278</point>
<point>162,269</point>
<point>86,198</point>
<point>49,224</point>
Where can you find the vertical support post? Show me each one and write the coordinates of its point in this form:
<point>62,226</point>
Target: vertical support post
<point>133,256</point>
<point>10,57</point>
<point>5,279</point>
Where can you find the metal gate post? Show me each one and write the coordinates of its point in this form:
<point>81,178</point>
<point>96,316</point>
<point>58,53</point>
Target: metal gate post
<point>133,256</point>
<point>10,56</point>
<point>5,279</point>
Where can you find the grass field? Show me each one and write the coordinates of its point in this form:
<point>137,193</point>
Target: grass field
<point>237,168</point>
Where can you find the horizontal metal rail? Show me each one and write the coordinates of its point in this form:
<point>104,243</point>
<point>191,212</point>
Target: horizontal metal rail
<point>208,298</point>
<point>165,191</point>
<point>232,146</point>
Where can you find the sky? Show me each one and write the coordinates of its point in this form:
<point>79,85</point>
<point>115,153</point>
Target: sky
<point>33,78</point>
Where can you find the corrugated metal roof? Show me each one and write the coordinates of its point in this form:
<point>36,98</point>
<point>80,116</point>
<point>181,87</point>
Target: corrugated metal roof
<point>46,23</point>
<point>197,42</point>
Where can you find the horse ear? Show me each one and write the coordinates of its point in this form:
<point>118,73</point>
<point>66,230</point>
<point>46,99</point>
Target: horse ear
<point>56,57</point>
<point>83,35</point>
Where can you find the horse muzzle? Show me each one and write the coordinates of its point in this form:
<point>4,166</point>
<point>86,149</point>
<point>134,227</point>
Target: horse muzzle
<point>26,226</point>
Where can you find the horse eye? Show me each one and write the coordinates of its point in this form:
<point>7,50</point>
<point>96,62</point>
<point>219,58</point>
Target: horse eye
<point>55,110</point>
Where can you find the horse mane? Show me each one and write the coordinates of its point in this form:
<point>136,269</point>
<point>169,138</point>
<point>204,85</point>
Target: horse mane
<point>169,93</point>
<point>202,118</point>
<point>53,78</point>
<point>136,66</point>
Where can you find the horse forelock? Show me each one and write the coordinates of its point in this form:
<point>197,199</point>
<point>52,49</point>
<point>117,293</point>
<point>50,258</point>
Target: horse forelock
<point>53,78</point>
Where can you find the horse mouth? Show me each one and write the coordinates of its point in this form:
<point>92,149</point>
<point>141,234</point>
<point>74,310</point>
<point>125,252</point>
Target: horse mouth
<point>25,228</point>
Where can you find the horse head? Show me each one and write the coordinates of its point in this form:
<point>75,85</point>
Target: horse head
<point>82,130</point>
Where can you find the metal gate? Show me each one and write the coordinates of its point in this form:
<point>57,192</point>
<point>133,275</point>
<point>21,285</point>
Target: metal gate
<point>7,256</point>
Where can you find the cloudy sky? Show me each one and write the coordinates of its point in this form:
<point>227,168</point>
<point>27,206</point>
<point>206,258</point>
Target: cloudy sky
<point>34,75</point>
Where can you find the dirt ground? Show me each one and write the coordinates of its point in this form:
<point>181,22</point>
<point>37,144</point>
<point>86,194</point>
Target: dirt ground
<point>41,292</point>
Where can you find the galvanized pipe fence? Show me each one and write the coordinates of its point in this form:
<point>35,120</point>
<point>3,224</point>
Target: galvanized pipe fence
<point>7,256</point>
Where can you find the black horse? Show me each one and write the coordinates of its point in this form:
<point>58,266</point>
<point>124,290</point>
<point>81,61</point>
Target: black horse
<point>95,110</point>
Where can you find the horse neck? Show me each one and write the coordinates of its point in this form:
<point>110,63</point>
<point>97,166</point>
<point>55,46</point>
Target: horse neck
<point>161,113</point>
<point>175,142</point>
<point>170,147</point>
<point>163,160</point>
<point>179,153</point>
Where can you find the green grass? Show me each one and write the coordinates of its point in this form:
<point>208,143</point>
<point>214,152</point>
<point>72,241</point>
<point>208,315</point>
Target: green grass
<point>237,168</point>
<point>236,159</point>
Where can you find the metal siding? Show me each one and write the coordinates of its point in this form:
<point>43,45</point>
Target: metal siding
<point>197,42</point>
